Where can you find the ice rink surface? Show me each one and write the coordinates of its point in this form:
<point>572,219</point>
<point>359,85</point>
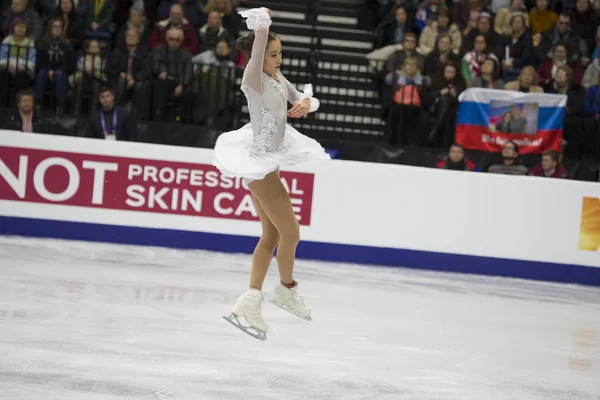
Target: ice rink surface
<point>96,321</point>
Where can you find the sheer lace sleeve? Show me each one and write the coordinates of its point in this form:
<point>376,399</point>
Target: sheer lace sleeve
<point>295,95</point>
<point>259,21</point>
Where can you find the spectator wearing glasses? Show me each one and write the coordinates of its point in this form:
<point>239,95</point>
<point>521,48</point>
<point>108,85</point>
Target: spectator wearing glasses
<point>172,72</point>
<point>562,32</point>
<point>73,23</point>
<point>176,20</point>
<point>509,162</point>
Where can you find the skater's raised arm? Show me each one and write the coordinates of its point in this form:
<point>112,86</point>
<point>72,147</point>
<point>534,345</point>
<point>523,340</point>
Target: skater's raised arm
<point>258,20</point>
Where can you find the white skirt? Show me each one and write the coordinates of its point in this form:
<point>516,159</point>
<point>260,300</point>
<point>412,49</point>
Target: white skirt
<point>234,158</point>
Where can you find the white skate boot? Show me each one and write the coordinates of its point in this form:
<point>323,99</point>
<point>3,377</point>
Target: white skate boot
<point>249,306</point>
<point>291,301</point>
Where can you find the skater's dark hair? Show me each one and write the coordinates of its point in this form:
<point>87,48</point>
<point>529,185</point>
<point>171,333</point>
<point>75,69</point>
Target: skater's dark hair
<point>245,43</point>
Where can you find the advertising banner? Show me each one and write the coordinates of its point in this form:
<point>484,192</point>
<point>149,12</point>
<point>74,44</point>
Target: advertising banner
<point>136,184</point>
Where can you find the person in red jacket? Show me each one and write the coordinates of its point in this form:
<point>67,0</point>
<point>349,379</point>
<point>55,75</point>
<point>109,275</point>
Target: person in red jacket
<point>176,20</point>
<point>456,160</point>
<point>550,167</point>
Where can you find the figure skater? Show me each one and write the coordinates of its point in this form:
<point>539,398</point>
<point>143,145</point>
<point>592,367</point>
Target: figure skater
<point>255,152</point>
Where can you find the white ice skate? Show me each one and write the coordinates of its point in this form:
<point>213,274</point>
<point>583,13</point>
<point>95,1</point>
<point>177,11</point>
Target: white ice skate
<point>249,306</point>
<point>291,301</point>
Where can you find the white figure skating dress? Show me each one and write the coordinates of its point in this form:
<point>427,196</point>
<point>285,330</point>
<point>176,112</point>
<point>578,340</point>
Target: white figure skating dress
<point>267,142</point>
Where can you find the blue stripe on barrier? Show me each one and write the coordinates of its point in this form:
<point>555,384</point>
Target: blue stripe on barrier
<point>434,261</point>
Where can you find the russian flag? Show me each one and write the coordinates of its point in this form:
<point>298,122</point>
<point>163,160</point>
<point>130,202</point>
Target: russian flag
<point>488,118</point>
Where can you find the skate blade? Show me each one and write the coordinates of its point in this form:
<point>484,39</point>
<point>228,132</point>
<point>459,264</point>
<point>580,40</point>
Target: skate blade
<point>233,320</point>
<point>283,308</point>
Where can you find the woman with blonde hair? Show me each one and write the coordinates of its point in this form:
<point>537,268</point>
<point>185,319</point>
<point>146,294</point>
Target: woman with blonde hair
<point>255,153</point>
<point>527,82</point>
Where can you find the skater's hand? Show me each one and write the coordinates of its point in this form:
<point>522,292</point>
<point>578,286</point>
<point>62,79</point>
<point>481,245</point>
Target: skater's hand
<point>299,109</point>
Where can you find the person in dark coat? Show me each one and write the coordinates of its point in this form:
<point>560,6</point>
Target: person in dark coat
<point>110,121</point>
<point>24,118</point>
<point>550,167</point>
<point>55,61</point>
<point>128,72</point>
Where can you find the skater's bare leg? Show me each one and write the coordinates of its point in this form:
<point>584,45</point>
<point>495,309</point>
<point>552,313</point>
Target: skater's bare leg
<point>277,206</point>
<point>263,253</point>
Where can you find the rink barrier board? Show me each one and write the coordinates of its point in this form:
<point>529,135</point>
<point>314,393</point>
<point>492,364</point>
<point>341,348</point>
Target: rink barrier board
<point>355,212</point>
<point>373,256</point>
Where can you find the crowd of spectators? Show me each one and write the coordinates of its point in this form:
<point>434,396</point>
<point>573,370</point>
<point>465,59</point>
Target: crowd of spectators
<point>428,52</point>
<point>153,55</point>
<point>118,62</point>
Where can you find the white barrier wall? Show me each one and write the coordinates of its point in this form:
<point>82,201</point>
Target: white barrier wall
<point>349,211</point>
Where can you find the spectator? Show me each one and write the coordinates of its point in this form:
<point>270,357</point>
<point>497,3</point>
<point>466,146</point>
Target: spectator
<point>446,86</point>
<point>503,23</point>
<point>190,10</point>
<point>229,16</point>
<point>73,23</point>
<point>561,33</point>
<point>526,82</point>
<point>392,30</point>
<point>456,160</point>
<point>409,49</point>
<point>110,121</point>
<point>434,60</point>
<point>409,98</point>
<point>90,75</point>
<point>220,56</point>
<point>99,18</point>
<point>50,8</point>
<point>585,25</point>
<point>592,72</point>
<point>213,80</point>
<point>541,18</point>
<point>24,118</point>
<point>55,58</point>
<point>490,76</point>
<point>467,12</point>
<point>563,84</point>
<point>176,20</point>
<point>492,39</point>
<point>172,70</point>
<point>126,70</point>
<point>473,60</point>
<point>520,47</point>
<point>137,20</point>
<point>18,10</point>
<point>434,28</point>
<point>592,100</point>
<point>214,32</point>
<point>548,69</point>
<point>509,163</point>
<point>550,167</point>
<point>426,12</point>
<point>17,59</point>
